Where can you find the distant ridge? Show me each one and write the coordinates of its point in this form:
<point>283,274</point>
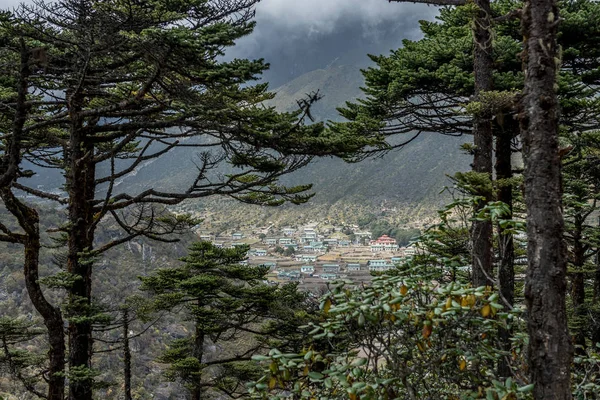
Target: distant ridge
<point>410,177</point>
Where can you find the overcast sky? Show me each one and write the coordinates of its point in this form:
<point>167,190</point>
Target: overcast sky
<point>296,36</point>
<point>322,16</point>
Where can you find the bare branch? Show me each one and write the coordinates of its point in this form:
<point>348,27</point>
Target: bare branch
<point>41,194</point>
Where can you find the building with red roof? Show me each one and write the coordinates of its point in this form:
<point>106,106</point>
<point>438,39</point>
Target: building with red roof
<point>383,243</point>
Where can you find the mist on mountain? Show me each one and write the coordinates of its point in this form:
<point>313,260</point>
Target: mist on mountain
<point>310,47</point>
<point>297,37</point>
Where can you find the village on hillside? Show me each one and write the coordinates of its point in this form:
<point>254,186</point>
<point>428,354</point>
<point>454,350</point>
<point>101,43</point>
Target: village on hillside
<point>316,254</point>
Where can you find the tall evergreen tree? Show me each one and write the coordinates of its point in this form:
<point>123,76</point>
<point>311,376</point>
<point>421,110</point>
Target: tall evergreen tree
<point>581,178</point>
<point>109,85</point>
<point>579,79</point>
<point>18,66</point>
<point>483,68</point>
<point>424,87</point>
<point>227,303</point>
<point>550,348</point>
<point>428,86</point>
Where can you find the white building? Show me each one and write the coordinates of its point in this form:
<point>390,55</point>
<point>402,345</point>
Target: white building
<point>353,267</point>
<point>378,265</point>
<point>286,241</point>
<point>331,268</point>
<point>260,252</point>
<point>410,251</point>
<point>309,235</point>
<point>287,231</point>
<point>330,242</point>
<point>383,243</point>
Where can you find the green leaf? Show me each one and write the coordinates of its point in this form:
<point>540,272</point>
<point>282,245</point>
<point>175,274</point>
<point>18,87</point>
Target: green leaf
<point>359,362</point>
<point>526,388</point>
<point>315,375</point>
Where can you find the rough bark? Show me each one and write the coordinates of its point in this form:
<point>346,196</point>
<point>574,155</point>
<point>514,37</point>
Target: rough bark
<point>481,231</point>
<point>126,356</point>
<point>198,351</point>
<point>550,348</point>
<point>506,249</point>
<point>29,221</point>
<point>81,189</point>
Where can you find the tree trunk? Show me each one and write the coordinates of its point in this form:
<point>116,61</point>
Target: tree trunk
<point>29,220</point>
<point>198,354</point>
<point>81,188</point>
<point>595,334</point>
<point>52,320</point>
<point>578,286</point>
<point>126,356</point>
<point>506,270</point>
<point>550,348</point>
<point>578,296</point>
<point>481,232</point>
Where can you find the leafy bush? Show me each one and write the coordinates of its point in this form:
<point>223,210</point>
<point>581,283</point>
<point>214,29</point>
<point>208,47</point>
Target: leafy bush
<point>405,336</point>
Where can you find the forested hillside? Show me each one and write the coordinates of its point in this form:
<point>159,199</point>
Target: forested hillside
<point>412,177</point>
<point>408,178</point>
<point>115,280</point>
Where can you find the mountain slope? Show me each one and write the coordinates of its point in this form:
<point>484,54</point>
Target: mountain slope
<point>412,175</point>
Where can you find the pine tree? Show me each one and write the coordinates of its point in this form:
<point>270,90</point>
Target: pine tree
<point>97,88</point>
<point>227,303</point>
<point>428,86</point>
<point>482,129</point>
<point>22,365</point>
<point>550,349</point>
<point>581,180</point>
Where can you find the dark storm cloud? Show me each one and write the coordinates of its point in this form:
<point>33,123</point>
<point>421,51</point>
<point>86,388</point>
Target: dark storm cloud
<point>323,16</point>
<point>299,36</point>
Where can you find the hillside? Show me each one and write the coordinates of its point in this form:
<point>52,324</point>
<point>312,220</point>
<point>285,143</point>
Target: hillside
<point>115,278</point>
<point>410,178</point>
